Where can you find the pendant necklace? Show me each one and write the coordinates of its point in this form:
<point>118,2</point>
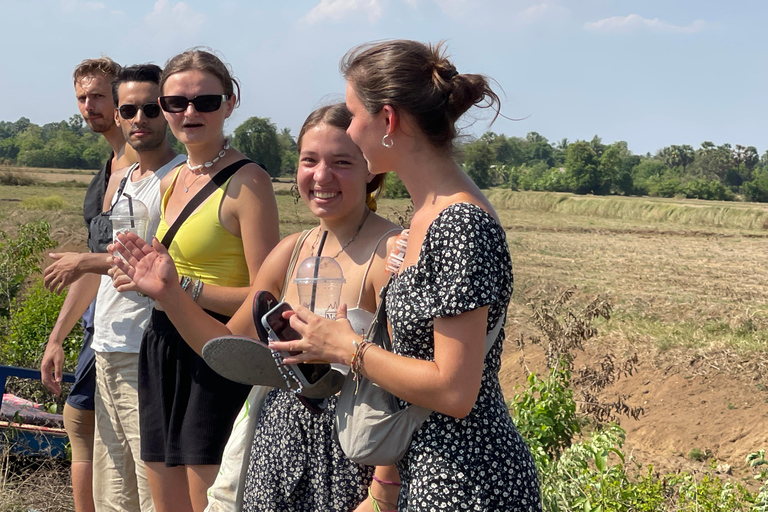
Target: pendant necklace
<point>362,222</point>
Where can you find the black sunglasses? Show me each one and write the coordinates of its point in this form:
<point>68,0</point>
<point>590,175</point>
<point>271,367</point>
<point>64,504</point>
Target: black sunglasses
<point>151,110</point>
<point>202,103</point>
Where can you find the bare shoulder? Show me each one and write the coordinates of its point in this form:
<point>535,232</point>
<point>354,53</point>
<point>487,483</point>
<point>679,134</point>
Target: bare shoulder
<point>118,175</point>
<point>275,265</point>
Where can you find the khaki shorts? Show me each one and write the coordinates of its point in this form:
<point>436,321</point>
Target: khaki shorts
<point>79,425</point>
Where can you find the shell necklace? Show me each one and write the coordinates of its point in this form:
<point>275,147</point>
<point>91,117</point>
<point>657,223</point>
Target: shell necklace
<point>207,165</point>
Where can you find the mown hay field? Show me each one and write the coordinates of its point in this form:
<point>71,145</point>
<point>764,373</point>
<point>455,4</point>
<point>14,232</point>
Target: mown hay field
<point>687,280</point>
<point>680,273</point>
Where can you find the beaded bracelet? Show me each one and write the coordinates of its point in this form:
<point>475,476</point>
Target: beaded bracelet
<point>185,282</point>
<point>357,360</point>
<point>197,290</point>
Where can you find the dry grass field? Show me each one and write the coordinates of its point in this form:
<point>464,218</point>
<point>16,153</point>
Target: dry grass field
<point>687,279</point>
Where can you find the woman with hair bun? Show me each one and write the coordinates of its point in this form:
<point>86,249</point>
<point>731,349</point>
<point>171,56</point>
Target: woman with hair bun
<point>452,288</point>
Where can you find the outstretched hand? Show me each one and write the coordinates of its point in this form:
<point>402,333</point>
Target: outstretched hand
<point>145,268</point>
<point>323,340</point>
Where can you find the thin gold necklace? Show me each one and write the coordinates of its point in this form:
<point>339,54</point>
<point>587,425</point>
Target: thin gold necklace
<point>360,227</point>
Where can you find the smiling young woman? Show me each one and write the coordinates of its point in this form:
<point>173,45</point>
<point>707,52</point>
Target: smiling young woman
<point>186,409</point>
<point>296,462</point>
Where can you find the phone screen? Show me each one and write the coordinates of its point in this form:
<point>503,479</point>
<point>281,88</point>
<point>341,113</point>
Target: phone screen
<point>280,328</point>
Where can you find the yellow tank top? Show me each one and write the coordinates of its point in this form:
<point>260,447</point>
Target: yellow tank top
<point>203,248</point>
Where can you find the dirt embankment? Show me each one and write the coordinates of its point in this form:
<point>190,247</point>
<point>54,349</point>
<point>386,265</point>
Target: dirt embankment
<point>717,405</point>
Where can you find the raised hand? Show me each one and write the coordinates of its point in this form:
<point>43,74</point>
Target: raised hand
<point>145,268</point>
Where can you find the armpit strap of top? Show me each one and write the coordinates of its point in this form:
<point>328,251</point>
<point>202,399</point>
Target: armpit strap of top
<point>294,259</point>
<point>370,262</point>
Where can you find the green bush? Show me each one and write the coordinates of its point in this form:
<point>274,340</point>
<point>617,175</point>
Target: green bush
<point>33,315</point>
<point>20,257</point>
<point>545,414</point>
<point>394,187</point>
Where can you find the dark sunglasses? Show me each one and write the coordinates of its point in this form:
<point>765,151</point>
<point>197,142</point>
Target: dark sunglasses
<point>151,110</point>
<point>202,103</point>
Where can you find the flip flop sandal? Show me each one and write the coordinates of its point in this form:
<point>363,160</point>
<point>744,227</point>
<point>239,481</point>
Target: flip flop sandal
<point>250,361</point>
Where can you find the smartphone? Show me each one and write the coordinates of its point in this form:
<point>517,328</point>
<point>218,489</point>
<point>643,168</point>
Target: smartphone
<point>279,329</point>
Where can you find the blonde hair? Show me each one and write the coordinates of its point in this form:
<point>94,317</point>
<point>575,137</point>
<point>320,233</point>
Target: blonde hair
<point>101,66</point>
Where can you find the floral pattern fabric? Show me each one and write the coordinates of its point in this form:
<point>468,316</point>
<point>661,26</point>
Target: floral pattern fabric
<point>480,462</point>
<point>297,464</point>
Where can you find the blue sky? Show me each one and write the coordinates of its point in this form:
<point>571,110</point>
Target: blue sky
<point>652,73</point>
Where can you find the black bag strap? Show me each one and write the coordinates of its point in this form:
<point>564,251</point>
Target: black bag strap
<point>377,332</point>
<point>379,335</point>
<point>120,190</point>
<point>218,180</point>
<point>122,185</point>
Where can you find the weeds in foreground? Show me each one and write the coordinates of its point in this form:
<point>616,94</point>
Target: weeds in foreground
<point>33,483</point>
<point>593,474</point>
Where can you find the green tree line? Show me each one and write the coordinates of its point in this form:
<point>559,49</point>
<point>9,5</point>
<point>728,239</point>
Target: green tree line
<point>71,145</point>
<point>723,172</point>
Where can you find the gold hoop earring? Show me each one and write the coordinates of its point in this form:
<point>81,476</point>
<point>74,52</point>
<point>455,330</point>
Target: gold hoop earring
<point>387,141</point>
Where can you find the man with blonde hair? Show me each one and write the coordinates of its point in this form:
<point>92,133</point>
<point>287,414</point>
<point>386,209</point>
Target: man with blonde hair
<point>93,89</point>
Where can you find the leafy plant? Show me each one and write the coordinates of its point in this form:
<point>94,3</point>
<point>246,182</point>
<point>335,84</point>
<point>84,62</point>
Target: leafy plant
<point>33,314</point>
<point>697,454</point>
<point>20,256</point>
<point>545,414</point>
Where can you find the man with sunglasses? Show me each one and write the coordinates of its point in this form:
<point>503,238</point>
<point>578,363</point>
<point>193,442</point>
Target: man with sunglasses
<point>92,81</point>
<point>119,475</point>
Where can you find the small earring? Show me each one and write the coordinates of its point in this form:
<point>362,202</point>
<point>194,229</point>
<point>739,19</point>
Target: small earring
<point>387,141</point>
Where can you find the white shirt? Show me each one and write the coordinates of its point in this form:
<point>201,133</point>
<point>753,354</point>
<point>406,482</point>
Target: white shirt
<point>120,318</point>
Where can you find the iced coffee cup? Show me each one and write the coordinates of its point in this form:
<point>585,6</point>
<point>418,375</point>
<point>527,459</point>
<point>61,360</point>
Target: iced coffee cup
<point>319,281</point>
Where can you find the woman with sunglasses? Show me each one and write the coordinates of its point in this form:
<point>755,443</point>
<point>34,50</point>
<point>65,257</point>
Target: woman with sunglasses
<point>296,463</point>
<point>186,409</point>
<point>452,288</point>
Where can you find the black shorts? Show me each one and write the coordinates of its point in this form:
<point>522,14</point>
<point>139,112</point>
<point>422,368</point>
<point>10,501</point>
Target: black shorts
<point>186,410</point>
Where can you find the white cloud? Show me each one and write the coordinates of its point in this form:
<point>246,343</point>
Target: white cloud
<point>337,10</point>
<point>169,20</point>
<point>635,22</point>
<point>78,6</point>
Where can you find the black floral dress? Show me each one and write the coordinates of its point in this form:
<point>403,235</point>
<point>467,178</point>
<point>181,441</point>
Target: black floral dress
<point>480,462</point>
<point>297,463</point>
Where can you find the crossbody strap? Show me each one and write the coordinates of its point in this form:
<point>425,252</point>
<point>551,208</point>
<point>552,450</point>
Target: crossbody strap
<point>294,259</point>
<point>218,180</point>
<point>120,188</point>
<point>381,319</point>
